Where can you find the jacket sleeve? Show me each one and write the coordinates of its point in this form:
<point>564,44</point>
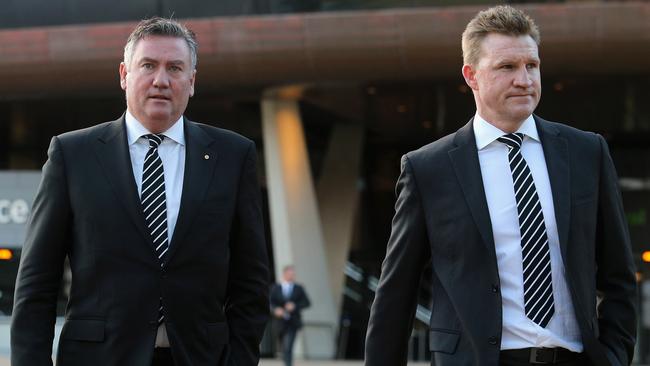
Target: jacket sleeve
<point>391,316</point>
<point>615,281</point>
<point>247,304</point>
<point>41,266</point>
<point>303,301</point>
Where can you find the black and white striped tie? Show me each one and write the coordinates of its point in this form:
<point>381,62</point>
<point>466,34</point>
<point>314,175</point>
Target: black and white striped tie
<point>536,256</point>
<point>154,204</point>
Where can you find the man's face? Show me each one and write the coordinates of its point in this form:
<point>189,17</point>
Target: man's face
<point>506,81</point>
<point>158,81</point>
<point>289,275</point>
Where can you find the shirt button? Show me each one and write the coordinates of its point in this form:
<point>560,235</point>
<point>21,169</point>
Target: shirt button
<point>495,288</point>
<point>492,341</point>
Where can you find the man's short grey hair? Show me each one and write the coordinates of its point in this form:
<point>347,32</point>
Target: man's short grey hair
<point>158,26</point>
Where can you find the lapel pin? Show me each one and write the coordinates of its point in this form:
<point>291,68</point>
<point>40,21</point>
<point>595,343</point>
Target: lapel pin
<point>206,156</point>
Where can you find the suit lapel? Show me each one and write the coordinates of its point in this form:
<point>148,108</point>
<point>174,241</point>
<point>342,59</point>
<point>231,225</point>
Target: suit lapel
<point>556,154</point>
<point>200,162</point>
<point>112,151</point>
<point>464,159</point>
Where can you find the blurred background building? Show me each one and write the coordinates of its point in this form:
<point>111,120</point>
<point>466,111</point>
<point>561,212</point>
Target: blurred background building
<point>333,92</point>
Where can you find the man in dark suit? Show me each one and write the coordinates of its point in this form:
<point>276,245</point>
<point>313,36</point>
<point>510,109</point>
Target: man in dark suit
<point>288,299</point>
<point>522,222</point>
<point>160,218</point>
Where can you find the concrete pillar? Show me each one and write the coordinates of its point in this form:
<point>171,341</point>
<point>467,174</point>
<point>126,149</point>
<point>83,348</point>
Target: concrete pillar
<point>338,197</point>
<point>295,221</point>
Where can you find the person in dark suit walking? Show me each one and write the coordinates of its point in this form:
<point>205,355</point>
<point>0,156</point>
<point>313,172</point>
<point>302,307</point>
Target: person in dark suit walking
<point>288,299</point>
<point>161,220</point>
<point>522,222</point>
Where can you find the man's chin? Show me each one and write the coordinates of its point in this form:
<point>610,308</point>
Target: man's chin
<point>159,116</point>
<point>158,122</point>
<point>522,112</point>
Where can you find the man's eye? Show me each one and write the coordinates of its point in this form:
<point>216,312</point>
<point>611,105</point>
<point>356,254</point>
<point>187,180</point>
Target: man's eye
<point>531,66</point>
<point>147,66</point>
<point>506,67</point>
<point>175,68</point>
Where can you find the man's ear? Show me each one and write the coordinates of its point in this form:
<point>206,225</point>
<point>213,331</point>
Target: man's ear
<point>123,75</point>
<point>469,73</point>
<point>192,83</point>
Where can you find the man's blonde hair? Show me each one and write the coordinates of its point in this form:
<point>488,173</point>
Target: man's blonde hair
<point>502,19</point>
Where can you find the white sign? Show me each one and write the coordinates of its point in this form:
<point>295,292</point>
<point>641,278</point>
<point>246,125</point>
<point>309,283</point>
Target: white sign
<point>14,211</point>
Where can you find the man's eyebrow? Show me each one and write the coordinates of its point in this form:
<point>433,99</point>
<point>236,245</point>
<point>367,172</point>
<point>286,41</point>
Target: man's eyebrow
<point>174,62</point>
<point>510,59</point>
<point>147,59</point>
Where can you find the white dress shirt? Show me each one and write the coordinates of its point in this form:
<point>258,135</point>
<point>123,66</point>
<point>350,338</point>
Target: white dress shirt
<point>518,330</point>
<point>287,289</point>
<point>172,154</point>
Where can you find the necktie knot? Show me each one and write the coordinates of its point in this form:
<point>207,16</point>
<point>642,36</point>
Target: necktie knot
<point>512,140</point>
<point>154,140</point>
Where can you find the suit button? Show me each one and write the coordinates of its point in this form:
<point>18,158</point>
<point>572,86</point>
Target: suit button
<point>495,288</point>
<point>492,341</point>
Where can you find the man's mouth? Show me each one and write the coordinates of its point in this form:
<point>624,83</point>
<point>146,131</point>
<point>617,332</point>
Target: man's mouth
<point>159,97</point>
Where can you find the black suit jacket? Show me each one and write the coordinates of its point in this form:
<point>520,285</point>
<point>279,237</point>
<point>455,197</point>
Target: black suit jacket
<point>298,297</point>
<point>213,285</point>
<point>442,217</point>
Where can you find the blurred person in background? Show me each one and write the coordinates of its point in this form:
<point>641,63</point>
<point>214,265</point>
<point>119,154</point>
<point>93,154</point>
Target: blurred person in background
<point>522,222</point>
<point>288,299</point>
<point>161,220</point>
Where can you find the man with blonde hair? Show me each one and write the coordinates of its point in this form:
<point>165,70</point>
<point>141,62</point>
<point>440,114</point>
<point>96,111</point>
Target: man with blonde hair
<point>522,222</point>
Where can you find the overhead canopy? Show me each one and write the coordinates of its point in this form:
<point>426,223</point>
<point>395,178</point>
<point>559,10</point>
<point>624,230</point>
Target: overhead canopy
<point>260,51</point>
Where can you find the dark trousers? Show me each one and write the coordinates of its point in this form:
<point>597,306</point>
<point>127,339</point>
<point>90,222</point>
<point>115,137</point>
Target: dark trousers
<point>288,337</point>
<point>162,357</point>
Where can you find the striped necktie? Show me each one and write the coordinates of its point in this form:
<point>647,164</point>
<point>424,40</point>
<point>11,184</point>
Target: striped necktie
<point>154,203</point>
<point>536,256</point>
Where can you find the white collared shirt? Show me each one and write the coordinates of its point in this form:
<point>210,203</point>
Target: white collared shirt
<point>287,289</point>
<point>172,154</point>
<point>518,330</point>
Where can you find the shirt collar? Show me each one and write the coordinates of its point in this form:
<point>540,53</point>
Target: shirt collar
<point>486,133</point>
<point>135,130</point>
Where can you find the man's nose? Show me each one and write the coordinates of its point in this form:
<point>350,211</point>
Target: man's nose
<point>160,78</point>
<point>523,77</point>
